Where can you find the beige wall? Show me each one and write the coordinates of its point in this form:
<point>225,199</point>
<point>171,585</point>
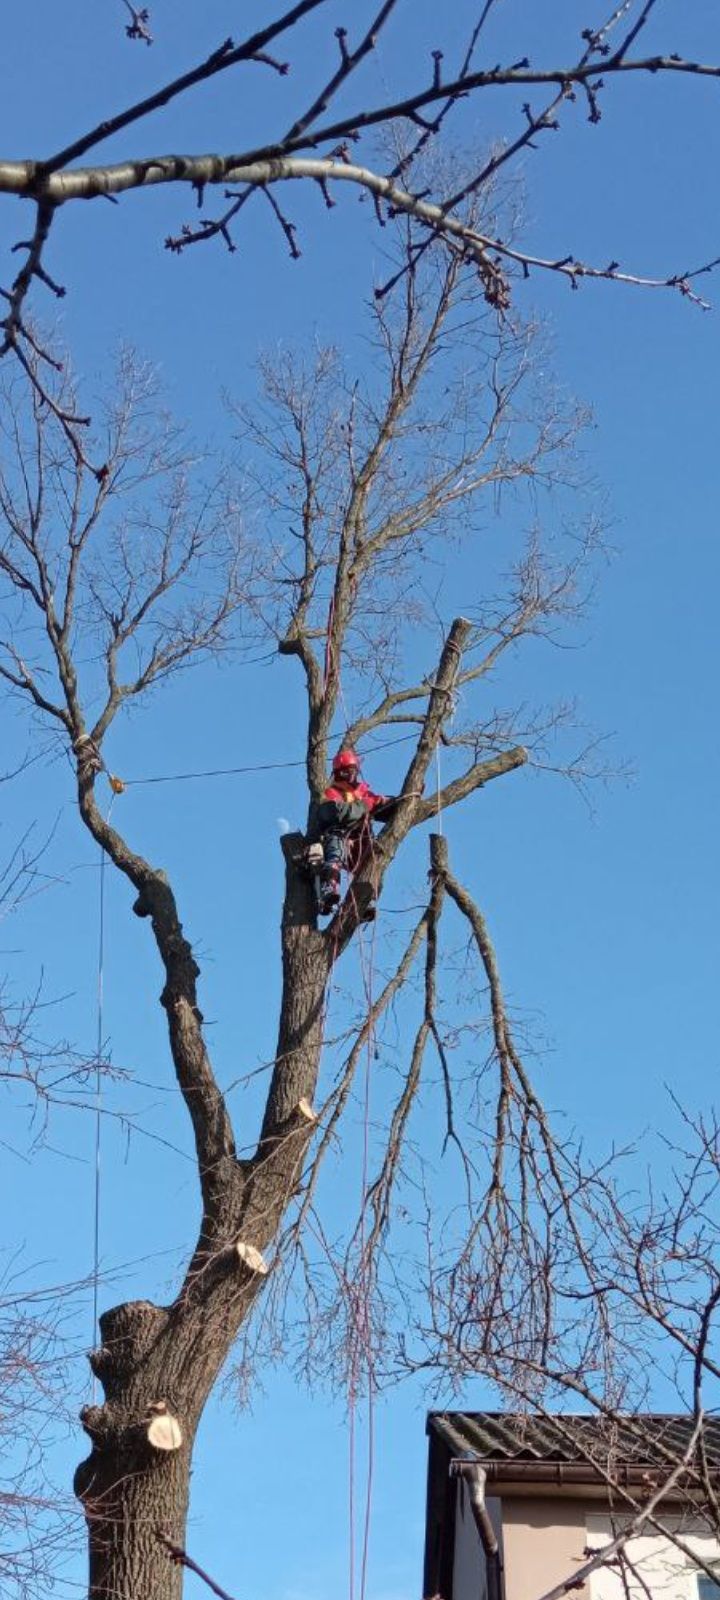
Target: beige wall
<point>543,1542</point>
<point>545,1539</point>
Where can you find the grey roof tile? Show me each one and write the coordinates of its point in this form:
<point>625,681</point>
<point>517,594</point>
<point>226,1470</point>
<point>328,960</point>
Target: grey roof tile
<point>643,1439</point>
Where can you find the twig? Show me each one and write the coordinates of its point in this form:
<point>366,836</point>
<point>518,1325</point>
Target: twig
<point>182,1559</point>
<point>139,25</point>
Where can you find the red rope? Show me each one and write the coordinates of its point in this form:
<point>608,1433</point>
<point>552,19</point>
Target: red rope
<point>362,1332</point>
<point>360,1298</point>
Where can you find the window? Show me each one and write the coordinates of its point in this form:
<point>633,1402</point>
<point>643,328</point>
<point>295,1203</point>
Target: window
<point>709,1588</point>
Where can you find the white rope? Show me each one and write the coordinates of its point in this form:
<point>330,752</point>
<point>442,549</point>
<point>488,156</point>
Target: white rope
<point>98,1095</point>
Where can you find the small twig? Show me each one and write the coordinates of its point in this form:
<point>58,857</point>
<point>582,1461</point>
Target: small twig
<point>181,1559</point>
<point>210,228</point>
<point>69,421</point>
<point>349,61</point>
<point>288,228</point>
<point>31,268</point>
<point>139,25</point>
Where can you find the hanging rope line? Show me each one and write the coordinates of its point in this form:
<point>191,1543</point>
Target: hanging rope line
<point>368,970</point>
<point>98,1092</point>
<point>361,1353</point>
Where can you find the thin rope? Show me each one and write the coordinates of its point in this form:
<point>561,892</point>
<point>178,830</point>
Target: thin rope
<point>98,1093</point>
<point>265,766</point>
<point>362,1340</point>
<point>365,1285</point>
<point>351,1452</point>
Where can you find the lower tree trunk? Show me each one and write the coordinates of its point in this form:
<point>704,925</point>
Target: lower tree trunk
<point>135,1481</point>
<point>124,1514</point>
<point>157,1364</point>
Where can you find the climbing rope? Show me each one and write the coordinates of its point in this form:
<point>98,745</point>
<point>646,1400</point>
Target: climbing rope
<point>365,1314</point>
<point>98,1079</point>
<point>361,1296</point>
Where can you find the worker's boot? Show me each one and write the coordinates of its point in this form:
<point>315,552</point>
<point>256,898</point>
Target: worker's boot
<point>329,888</point>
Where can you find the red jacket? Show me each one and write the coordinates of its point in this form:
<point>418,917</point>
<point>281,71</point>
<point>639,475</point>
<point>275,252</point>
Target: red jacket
<point>354,794</point>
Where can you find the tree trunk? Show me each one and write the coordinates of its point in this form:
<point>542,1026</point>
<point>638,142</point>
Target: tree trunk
<point>136,1479</point>
<point>125,1507</point>
<point>158,1364</point>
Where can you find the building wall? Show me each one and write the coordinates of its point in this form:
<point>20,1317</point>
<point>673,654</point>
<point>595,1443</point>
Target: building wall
<point>543,1542</point>
<point>651,1562</point>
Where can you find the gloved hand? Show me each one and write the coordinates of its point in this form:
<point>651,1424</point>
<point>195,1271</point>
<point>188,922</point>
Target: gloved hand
<point>314,856</point>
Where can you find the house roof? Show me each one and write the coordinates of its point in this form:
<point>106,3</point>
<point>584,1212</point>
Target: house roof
<point>507,1439</point>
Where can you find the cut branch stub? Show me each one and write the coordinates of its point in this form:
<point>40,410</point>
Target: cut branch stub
<point>163,1430</point>
<point>251,1257</point>
<point>95,1422</point>
<point>128,1333</point>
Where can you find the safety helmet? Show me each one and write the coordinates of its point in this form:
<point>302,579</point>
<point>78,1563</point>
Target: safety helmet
<point>345,761</point>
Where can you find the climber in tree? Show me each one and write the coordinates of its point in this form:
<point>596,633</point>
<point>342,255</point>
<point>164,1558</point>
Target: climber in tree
<point>340,826</point>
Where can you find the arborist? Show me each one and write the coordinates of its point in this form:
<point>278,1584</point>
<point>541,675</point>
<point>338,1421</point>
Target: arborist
<point>340,826</point>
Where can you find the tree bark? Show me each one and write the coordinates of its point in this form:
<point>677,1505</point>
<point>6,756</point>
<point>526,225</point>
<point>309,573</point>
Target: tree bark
<point>127,1487</point>
<point>126,1559</point>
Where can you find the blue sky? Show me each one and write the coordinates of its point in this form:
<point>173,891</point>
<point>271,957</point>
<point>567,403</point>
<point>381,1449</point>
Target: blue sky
<point>605,922</point>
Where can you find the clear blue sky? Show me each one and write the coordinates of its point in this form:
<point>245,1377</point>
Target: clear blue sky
<point>606,924</point>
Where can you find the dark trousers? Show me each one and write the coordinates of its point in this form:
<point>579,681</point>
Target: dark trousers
<point>334,849</point>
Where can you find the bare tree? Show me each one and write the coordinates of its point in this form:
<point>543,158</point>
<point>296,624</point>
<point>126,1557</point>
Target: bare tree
<point>115,537</point>
<point>327,141</point>
<point>349,490</point>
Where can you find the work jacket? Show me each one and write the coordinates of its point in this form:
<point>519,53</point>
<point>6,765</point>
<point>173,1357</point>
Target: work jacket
<point>344,806</point>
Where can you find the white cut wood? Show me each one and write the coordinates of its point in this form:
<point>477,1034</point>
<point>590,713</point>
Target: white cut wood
<point>304,1109</point>
<point>253,1258</point>
<point>164,1431</point>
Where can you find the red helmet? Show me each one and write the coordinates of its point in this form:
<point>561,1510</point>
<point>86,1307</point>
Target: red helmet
<point>345,761</point>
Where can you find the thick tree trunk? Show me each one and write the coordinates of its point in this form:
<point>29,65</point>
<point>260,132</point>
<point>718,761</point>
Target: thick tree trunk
<point>158,1364</point>
<point>136,1479</point>
<point>126,1559</point>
